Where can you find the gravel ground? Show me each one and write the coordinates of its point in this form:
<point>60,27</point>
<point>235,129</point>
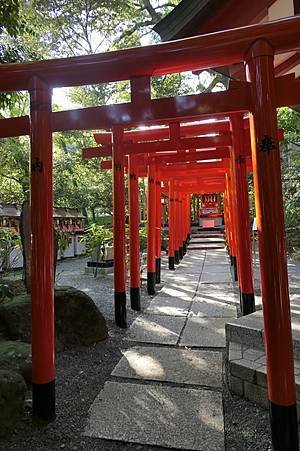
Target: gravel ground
<point>82,372</point>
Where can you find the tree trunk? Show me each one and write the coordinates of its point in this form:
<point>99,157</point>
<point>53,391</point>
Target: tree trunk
<point>93,214</point>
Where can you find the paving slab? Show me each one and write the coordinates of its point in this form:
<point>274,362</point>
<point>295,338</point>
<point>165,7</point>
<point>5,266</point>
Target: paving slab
<point>184,366</point>
<point>158,329</point>
<point>185,292</point>
<point>167,305</point>
<point>218,268</point>
<point>210,308</point>
<point>206,332</point>
<point>189,268</point>
<point>182,277</point>
<point>216,252</point>
<point>185,284</point>
<point>215,277</point>
<point>218,292</point>
<point>195,257</point>
<point>217,262</point>
<point>179,418</point>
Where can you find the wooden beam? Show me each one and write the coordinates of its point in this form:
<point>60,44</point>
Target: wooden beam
<point>201,52</point>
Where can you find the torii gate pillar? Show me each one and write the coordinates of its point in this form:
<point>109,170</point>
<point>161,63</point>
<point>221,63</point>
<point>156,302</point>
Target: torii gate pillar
<point>232,224</point>
<point>134,224</point>
<point>119,226</point>
<point>158,229</point>
<point>171,245</point>
<point>176,233</point>
<point>42,277</point>
<point>151,223</point>
<point>272,251</point>
<point>240,186</point>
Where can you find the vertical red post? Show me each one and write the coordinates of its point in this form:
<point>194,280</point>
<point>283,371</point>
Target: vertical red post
<point>188,218</point>
<point>184,215</point>
<point>179,226</point>
<point>226,216</point>
<point>158,229</point>
<point>272,251</point>
<point>42,291</point>
<point>134,235</point>
<point>232,222</point>
<point>119,226</point>
<point>151,224</point>
<point>176,234</point>
<point>244,251</point>
<point>171,245</point>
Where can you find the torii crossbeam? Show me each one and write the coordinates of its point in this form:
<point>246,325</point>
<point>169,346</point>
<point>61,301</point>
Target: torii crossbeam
<point>255,45</point>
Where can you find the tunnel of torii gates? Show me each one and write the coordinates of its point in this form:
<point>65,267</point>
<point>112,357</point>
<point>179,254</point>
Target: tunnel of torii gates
<point>259,96</point>
<point>147,153</point>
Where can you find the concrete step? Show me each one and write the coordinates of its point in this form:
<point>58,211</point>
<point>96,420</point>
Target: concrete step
<point>207,235</point>
<point>204,247</point>
<point>247,374</point>
<point>207,241</point>
<point>249,331</point>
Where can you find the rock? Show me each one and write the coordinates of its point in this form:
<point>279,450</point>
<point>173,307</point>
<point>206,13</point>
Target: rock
<point>15,286</point>
<point>5,292</point>
<point>12,395</point>
<point>15,316</point>
<point>16,356</point>
<point>77,319</point>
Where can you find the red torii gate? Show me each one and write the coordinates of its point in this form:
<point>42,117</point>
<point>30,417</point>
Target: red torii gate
<point>256,46</point>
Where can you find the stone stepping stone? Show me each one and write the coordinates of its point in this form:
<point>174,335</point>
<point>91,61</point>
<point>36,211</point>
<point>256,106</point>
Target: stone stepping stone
<point>182,278</point>
<point>170,417</point>
<point>213,309</point>
<point>190,268</point>
<point>215,277</point>
<point>167,305</point>
<point>211,252</point>
<point>185,292</point>
<point>217,272</point>
<point>219,262</point>
<point>190,274</point>
<point>219,267</point>
<point>223,293</point>
<point>204,332</point>
<point>204,246</point>
<point>193,257</point>
<point>160,329</point>
<point>183,283</point>
<point>184,366</point>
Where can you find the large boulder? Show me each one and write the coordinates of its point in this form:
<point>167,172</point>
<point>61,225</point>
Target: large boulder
<point>77,319</point>
<point>15,318</point>
<point>15,286</point>
<point>12,395</point>
<point>16,356</point>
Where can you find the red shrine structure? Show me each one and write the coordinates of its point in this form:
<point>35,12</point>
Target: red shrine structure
<point>174,159</point>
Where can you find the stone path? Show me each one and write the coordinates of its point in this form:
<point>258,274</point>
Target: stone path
<point>167,388</point>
